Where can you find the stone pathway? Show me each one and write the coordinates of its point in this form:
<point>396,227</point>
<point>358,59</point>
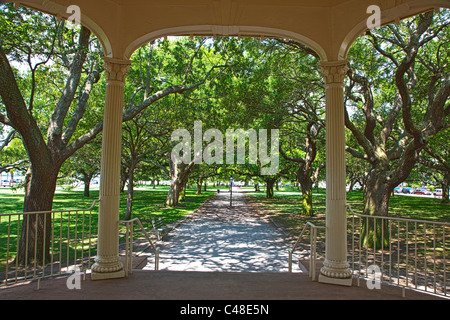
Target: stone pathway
<point>223,238</point>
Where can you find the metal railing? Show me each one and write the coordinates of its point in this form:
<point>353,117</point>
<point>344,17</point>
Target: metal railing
<point>129,235</point>
<point>313,248</point>
<point>37,245</point>
<point>403,252</point>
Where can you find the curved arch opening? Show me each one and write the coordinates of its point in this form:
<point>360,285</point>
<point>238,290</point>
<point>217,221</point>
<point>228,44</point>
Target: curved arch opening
<point>60,12</point>
<point>393,86</point>
<point>227,31</point>
<point>389,16</point>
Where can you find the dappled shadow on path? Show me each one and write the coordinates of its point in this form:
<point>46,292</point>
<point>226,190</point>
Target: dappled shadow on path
<point>223,238</point>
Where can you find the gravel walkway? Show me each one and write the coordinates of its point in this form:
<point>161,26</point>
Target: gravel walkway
<point>223,238</point>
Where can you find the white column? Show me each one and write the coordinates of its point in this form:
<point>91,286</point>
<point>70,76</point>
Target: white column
<point>107,263</point>
<point>336,268</point>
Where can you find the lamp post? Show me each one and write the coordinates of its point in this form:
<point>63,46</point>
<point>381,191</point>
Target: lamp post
<point>231,191</point>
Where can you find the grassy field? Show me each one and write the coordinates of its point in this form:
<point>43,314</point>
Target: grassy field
<point>285,207</point>
<point>421,248</point>
<point>147,204</point>
<point>147,201</point>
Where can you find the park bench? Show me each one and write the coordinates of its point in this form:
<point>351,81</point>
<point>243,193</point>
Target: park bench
<point>160,228</point>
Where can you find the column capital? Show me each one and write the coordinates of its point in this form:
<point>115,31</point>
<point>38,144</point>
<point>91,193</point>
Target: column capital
<point>116,70</point>
<point>334,72</point>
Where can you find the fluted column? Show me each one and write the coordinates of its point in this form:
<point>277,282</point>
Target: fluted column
<point>107,263</point>
<point>336,268</point>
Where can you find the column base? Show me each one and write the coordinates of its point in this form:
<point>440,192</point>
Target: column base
<point>341,282</point>
<point>107,267</point>
<point>107,275</point>
<point>336,272</point>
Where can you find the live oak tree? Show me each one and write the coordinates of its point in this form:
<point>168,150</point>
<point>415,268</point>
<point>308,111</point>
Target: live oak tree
<point>304,118</point>
<point>307,172</point>
<point>143,138</point>
<point>39,39</point>
<point>285,86</point>
<point>201,173</point>
<point>84,165</point>
<point>437,159</point>
<point>399,83</point>
<point>56,107</point>
<point>203,106</point>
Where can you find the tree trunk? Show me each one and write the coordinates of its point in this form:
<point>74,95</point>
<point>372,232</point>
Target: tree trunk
<point>172,196</point>
<point>34,243</point>
<point>179,177</point>
<point>305,181</point>
<point>175,185</point>
<point>87,183</point>
<point>123,180</point>
<point>199,187</point>
<point>445,188</point>
<point>352,184</point>
<point>269,188</point>
<point>377,194</point>
<point>182,193</point>
<point>307,204</point>
<point>130,193</point>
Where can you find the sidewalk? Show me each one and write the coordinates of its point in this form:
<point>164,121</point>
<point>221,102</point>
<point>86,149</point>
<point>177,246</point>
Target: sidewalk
<point>223,238</point>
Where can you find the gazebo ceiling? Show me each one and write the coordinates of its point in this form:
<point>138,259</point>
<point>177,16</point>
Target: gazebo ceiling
<point>327,26</point>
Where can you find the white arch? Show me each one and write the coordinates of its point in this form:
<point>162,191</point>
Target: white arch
<point>390,16</point>
<point>215,30</point>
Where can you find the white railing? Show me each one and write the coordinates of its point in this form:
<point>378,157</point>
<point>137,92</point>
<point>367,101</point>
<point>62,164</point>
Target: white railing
<point>407,253</point>
<point>129,235</point>
<point>37,245</point>
<point>312,245</point>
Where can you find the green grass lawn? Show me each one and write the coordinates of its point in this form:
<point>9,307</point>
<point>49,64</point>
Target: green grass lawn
<point>285,207</point>
<point>147,201</point>
<point>147,204</point>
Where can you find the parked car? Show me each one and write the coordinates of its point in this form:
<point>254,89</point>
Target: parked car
<point>437,192</point>
<point>398,190</point>
<point>407,190</point>
<point>422,191</point>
